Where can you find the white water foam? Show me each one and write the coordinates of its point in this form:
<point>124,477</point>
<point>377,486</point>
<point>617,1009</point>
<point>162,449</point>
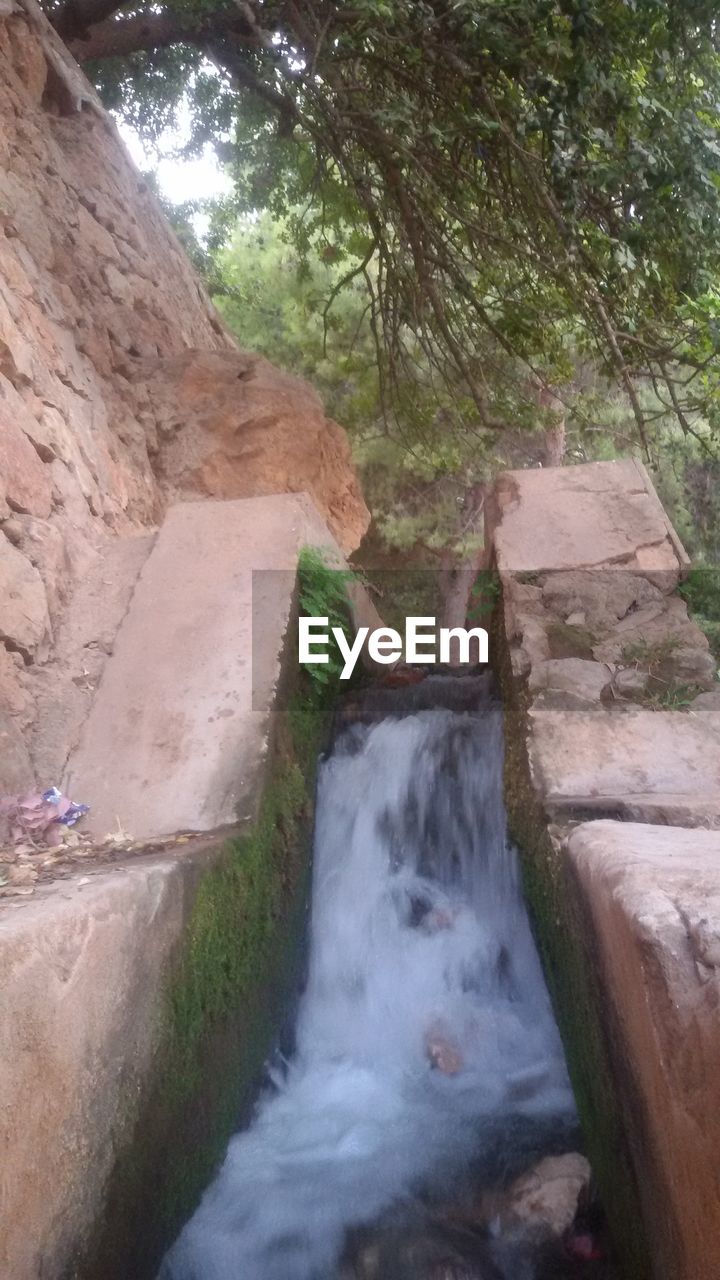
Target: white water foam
<point>425,1025</point>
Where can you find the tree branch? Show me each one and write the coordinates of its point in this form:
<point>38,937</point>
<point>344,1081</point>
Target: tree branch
<point>230,61</point>
<point>76,16</point>
<point>119,37</point>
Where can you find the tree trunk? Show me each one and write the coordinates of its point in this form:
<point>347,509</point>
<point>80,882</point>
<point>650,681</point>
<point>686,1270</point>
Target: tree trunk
<point>555,434</point>
<point>456,583</point>
<point>457,577</point>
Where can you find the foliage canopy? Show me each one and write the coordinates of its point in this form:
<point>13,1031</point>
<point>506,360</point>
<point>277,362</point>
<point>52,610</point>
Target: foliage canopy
<point>517,183</point>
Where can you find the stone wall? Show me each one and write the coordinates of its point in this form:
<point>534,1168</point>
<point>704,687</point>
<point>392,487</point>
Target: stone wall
<point>119,387</point>
<point>613,795</point>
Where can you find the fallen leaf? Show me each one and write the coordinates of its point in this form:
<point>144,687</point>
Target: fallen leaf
<point>22,874</point>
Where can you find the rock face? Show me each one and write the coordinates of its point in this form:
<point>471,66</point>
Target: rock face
<point>653,895</point>
<point>24,622</point>
<point>254,430</point>
<point>119,387</point>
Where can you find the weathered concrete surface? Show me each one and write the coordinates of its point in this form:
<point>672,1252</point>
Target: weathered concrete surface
<point>612,712</point>
<point>182,733</point>
<point>81,972</point>
<point>604,647</point>
<point>178,730</point>
<point>604,513</point>
<point>629,761</point>
<point>653,896</point>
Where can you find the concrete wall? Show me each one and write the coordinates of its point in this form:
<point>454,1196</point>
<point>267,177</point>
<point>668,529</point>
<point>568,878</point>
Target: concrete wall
<point>141,993</point>
<point>613,792</point>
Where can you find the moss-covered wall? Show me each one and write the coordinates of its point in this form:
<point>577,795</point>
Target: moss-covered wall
<point>564,939</point>
<point>223,1007</point>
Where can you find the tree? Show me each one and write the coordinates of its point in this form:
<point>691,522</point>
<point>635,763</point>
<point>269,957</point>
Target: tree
<point>423,466</point>
<point>518,183</point>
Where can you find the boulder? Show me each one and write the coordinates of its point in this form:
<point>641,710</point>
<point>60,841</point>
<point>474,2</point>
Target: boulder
<point>630,683</point>
<point>441,1049</point>
<point>652,635</point>
<point>692,666</point>
<point>230,425</point>
<point>602,596</point>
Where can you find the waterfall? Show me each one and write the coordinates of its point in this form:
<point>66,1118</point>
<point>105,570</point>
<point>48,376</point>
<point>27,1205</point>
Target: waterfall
<point>426,1053</point>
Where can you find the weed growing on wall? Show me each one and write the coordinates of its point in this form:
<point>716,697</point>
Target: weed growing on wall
<point>323,593</point>
<point>701,590</point>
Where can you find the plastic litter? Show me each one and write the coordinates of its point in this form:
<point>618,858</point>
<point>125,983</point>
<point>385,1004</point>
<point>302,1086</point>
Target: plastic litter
<point>69,815</point>
<point>35,816</point>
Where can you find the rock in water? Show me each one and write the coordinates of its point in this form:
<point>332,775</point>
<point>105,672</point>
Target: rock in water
<point>545,1198</point>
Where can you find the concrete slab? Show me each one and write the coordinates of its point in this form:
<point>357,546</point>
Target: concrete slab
<point>81,971</point>
<point>598,514</point>
<point>177,733</point>
<point>650,765</point>
<point>653,895</point>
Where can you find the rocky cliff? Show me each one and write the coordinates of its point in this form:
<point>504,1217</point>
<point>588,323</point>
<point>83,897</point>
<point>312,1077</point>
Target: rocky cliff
<point>120,390</point>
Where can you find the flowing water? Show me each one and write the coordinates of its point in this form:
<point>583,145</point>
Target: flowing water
<point>426,1056</point>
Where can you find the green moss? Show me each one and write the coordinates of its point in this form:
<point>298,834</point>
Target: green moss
<point>701,591</point>
<point>711,628</point>
<point>564,940</point>
<point>223,1008</point>
<point>222,961</point>
<point>323,593</point>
